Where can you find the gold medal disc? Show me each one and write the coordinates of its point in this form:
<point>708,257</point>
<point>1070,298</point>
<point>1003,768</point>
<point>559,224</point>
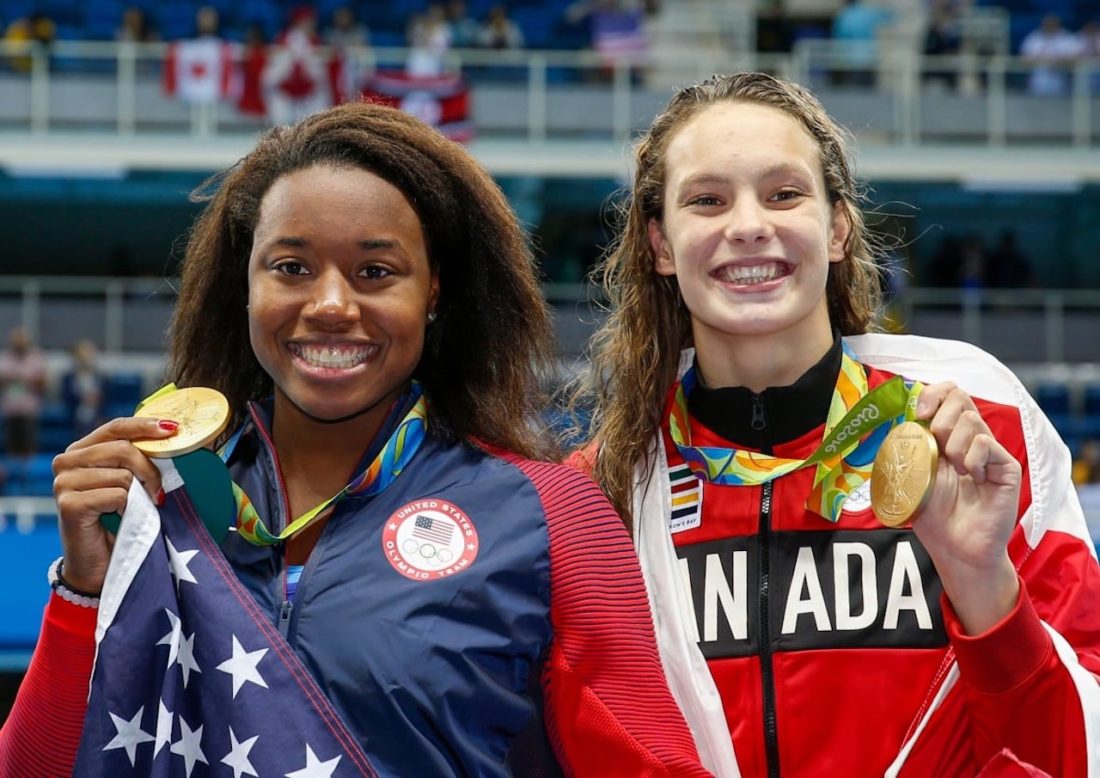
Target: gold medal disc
<point>202,414</point>
<point>904,473</point>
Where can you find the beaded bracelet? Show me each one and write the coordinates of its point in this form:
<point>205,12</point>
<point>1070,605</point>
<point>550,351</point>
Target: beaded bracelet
<point>62,589</point>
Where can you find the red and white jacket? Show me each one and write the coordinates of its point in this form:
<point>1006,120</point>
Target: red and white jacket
<point>800,648</point>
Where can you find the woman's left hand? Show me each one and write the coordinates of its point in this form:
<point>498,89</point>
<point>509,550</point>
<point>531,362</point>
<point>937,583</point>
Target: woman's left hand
<point>973,510</point>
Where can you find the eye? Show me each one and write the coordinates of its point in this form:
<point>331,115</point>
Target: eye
<point>704,200</point>
<point>786,195</point>
<point>376,272</point>
<point>290,267</point>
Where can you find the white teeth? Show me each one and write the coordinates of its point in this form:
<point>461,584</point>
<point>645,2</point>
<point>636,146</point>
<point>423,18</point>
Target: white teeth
<point>751,274</point>
<point>332,356</point>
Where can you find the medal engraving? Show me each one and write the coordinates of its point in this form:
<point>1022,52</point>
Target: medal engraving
<point>904,473</point>
<point>202,415</point>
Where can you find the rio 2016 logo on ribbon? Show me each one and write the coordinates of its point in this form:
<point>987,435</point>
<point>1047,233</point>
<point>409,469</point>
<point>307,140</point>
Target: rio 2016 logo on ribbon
<point>428,539</point>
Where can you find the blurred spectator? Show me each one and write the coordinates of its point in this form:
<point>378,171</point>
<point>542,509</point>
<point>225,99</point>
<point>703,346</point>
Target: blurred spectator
<point>617,29</point>
<point>1007,267</point>
<point>465,31</point>
<point>943,271</point>
<point>855,30</point>
<point>295,76</point>
<point>500,32</point>
<point>1090,49</point>
<point>943,38</point>
<point>82,389</point>
<point>1051,50</point>
<point>136,27</point>
<point>972,268</point>
<point>22,384</point>
<point>429,38</point>
<point>253,61</point>
<point>1086,467</point>
<point>36,27</point>
<point>199,70</point>
<point>774,29</point>
<point>347,39</point>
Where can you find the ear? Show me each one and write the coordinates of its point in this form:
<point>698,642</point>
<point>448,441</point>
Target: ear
<point>663,262</point>
<point>842,227</point>
<point>433,292</point>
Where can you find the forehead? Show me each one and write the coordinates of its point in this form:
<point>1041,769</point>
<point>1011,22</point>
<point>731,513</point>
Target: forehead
<point>736,135</point>
<point>334,192</point>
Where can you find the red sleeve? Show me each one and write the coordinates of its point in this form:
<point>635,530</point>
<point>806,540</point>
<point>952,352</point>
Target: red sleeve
<point>43,730</point>
<point>608,708</point>
<point>1014,667</point>
<point>584,459</point>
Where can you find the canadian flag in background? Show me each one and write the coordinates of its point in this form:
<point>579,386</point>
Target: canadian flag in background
<point>199,70</point>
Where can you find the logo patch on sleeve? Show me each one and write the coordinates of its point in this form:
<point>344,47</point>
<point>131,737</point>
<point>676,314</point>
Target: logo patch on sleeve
<point>687,499</point>
<point>425,540</point>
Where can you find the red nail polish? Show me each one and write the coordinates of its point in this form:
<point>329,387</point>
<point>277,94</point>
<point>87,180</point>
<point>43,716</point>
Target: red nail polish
<point>168,424</point>
<point>161,498</point>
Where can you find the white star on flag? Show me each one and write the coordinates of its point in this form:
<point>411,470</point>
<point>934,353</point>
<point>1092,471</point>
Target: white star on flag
<point>315,768</point>
<point>164,729</point>
<point>237,758</point>
<point>188,746</point>
<point>172,639</point>
<point>242,666</point>
<point>178,560</point>
<point>187,658</point>
<point>130,734</point>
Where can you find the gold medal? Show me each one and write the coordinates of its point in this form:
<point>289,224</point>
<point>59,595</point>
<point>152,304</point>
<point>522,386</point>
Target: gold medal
<point>201,413</point>
<point>904,473</point>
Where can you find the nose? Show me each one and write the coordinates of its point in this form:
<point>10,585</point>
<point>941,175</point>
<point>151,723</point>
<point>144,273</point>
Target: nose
<point>332,301</point>
<point>749,222</point>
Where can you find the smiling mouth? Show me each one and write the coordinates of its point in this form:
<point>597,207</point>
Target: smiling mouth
<point>340,357</point>
<point>750,275</point>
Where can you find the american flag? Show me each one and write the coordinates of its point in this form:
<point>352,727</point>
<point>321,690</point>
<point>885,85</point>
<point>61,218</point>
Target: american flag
<point>191,677</point>
<point>433,530</point>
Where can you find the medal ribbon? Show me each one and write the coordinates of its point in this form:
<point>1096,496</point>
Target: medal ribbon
<point>380,473</point>
<point>858,420</point>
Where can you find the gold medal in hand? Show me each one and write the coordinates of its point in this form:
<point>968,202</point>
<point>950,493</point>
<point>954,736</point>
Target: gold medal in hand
<point>904,473</point>
<point>202,415</point>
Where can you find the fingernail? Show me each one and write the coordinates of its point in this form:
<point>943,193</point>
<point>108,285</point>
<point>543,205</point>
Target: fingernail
<point>161,498</point>
<point>168,425</point>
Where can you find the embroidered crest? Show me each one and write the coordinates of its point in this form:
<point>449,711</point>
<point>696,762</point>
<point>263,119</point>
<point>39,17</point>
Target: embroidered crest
<point>687,499</point>
<point>429,539</point>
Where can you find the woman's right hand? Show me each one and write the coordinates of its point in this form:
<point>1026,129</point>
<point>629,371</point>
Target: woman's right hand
<point>93,477</point>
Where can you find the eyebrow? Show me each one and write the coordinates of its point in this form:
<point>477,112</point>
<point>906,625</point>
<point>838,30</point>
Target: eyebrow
<point>369,244</point>
<point>718,179</point>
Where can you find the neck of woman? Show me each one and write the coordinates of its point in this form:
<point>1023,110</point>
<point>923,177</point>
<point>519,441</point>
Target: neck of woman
<point>758,361</point>
<point>316,458</point>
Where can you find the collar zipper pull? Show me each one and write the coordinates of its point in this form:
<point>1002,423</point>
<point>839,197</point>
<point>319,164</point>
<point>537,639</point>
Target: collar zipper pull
<point>757,412</point>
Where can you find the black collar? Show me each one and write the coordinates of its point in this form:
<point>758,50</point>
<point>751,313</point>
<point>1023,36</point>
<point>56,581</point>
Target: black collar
<point>777,415</point>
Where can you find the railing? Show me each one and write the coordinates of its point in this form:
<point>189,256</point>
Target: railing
<point>130,316</point>
<point>540,95</point>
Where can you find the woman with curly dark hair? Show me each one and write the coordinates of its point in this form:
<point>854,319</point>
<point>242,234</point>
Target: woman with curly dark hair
<point>409,592</point>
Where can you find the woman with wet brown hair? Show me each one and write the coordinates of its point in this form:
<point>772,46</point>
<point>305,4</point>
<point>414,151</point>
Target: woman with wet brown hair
<point>813,617</point>
<point>409,591</point>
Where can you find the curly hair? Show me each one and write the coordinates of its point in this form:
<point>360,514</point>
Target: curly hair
<point>491,345</point>
<point>635,353</point>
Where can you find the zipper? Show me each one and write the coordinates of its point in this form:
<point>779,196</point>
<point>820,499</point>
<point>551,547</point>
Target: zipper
<point>287,607</point>
<point>285,611</point>
<point>757,422</point>
<point>767,675</point>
